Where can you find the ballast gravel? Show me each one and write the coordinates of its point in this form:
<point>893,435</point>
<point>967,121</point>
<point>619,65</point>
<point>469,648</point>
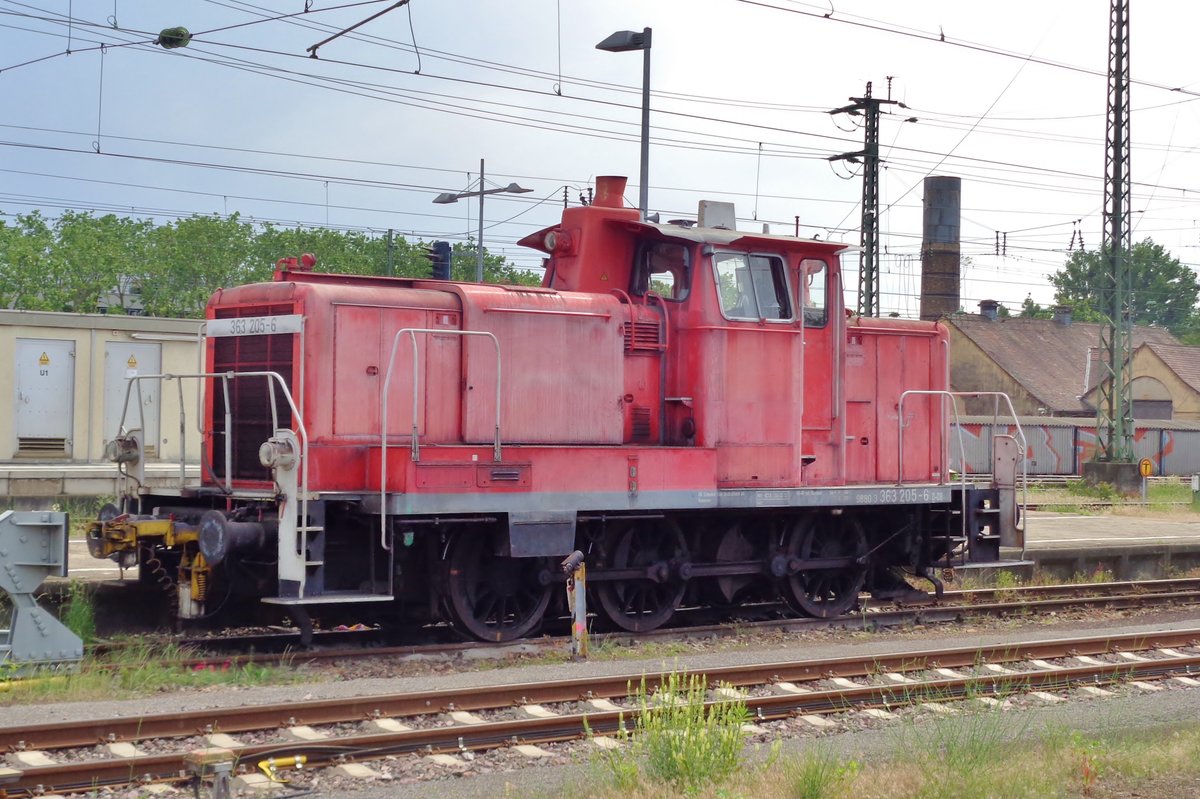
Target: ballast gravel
<point>508,773</point>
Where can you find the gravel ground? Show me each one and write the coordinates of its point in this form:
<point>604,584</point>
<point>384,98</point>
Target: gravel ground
<point>506,774</point>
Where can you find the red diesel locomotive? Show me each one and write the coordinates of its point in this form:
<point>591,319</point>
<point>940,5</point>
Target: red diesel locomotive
<point>689,406</point>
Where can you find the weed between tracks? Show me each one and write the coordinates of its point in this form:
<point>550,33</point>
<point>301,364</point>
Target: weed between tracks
<point>678,740</point>
<point>139,668</point>
<point>986,753</point>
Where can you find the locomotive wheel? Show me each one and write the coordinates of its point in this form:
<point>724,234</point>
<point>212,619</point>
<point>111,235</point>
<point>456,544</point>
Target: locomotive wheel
<point>740,542</point>
<point>490,597</point>
<point>643,604</point>
<point>825,593</point>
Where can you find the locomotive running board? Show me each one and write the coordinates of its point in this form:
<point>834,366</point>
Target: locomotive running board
<point>327,599</point>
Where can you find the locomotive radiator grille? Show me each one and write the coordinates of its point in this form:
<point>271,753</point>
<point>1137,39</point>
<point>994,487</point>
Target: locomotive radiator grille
<point>250,398</point>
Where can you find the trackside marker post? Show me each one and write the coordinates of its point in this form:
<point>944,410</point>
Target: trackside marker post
<point>576,571</point>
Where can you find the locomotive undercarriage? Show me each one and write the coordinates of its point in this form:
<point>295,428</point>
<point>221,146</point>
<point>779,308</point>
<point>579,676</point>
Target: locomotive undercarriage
<point>210,558</point>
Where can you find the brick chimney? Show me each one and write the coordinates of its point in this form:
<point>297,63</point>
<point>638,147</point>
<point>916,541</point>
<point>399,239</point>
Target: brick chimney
<point>1062,315</point>
<point>989,309</point>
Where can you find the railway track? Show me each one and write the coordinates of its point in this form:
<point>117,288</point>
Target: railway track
<point>461,721</point>
<point>285,647</point>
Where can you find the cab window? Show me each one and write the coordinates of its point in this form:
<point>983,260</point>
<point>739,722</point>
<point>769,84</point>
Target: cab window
<point>752,286</point>
<point>813,278</point>
<point>664,268</point>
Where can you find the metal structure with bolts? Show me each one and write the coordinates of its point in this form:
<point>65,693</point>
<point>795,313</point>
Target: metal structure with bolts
<point>33,546</point>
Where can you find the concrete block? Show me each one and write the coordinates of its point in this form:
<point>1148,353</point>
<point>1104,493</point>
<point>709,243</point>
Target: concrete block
<point>997,668</point>
<point>1088,660</point>
<point>9,775</point>
<point>531,751</point>
<point>1172,653</point>
<point>1145,686</point>
<point>1188,681</point>
<point>754,729</point>
<point>1092,690</point>
<point>727,692</point>
<point>124,749</point>
<point>357,771</point>
<point>537,712</point>
<point>304,733</point>
<point>789,688</point>
<point>842,682</point>
<point>389,725</point>
<point>1042,664</point>
<point>446,760</point>
<point>32,759</point>
<point>939,709</point>
<point>465,717</point>
<point>951,673</point>
<point>601,742</point>
<point>878,713</point>
<point>603,705</point>
<point>1132,656</point>
<point>820,722</point>
<point>1046,697</point>
<point>255,785</point>
<point>897,677</point>
<point>222,741</point>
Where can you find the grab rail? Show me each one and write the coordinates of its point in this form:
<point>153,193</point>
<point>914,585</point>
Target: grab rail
<point>416,447</point>
<point>225,377</point>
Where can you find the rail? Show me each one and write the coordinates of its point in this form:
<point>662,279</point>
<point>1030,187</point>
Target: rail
<point>416,405</point>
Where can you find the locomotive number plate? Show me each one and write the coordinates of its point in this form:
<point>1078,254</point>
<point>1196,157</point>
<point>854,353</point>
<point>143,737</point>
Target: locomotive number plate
<point>254,325</point>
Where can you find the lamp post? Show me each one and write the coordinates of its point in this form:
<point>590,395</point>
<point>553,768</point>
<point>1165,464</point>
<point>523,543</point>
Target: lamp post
<point>620,42</point>
<point>448,197</point>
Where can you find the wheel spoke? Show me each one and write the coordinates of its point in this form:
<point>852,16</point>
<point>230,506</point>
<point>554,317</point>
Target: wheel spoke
<point>825,593</point>
<point>641,604</point>
<point>492,598</point>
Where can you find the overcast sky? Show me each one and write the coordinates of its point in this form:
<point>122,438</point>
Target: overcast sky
<point>242,120</point>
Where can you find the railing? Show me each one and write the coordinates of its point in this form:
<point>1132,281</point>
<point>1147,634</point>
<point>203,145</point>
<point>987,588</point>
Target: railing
<point>415,447</point>
<point>225,377</point>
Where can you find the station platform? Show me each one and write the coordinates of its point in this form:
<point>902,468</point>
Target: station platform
<point>1065,546</point>
<point>33,486</point>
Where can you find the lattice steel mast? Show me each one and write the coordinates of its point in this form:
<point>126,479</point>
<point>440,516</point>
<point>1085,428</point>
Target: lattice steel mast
<point>868,272</point>
<point>1114,419</point>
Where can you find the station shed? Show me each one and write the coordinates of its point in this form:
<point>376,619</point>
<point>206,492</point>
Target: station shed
<point>69,375</point>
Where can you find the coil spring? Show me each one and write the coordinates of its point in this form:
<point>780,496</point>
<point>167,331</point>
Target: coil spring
<point>159,574</point>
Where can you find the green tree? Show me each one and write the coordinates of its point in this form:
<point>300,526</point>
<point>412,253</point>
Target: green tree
<point>25,249</point>
<point>1031,310</point>
<point>192,258</point>
<point>1164,291</point>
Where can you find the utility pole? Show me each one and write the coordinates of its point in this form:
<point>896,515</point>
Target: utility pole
<point>1114,420</point>
<point>868,272</point>
<point>391,253</point>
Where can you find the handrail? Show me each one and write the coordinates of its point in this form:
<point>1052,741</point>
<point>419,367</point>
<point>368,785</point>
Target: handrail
<point>953,395</point>
<point>416,447</point>
<point>225,377</point>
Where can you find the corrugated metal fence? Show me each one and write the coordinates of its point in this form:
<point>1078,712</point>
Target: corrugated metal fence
<point>1058,446</point>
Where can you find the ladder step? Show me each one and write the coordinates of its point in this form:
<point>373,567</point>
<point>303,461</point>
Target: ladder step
<point>309,529</point>
<point>314,563</point>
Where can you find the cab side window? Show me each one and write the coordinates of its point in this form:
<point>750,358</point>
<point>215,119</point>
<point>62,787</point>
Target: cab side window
<point>813,278</point>
<point>664,268</point>
<point>752,286</point>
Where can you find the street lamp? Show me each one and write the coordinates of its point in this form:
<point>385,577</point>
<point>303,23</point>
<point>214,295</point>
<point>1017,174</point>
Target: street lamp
<point>620,42</point>
<point>447,197</point>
